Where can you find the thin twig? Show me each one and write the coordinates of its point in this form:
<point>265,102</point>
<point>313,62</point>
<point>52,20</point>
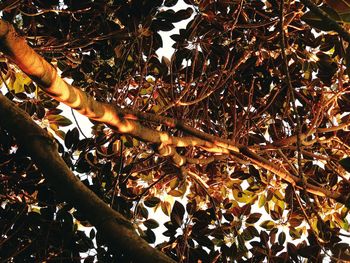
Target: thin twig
<point>290,87</point>
<point>77,123</point>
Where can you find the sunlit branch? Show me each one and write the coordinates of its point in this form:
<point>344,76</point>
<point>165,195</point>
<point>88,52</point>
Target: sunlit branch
<point>128,122</point>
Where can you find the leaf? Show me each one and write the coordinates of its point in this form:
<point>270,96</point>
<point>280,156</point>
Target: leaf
<point>342,222</point>
<point>345,163</point>
<point>146,91</point>
<point>253,218</point>
<point>71,138</point>
<point>59,120</point>
<point>340,6</point>
<point>142,211</point>
<point>152,201</point>
<point>176,193</point>
<point>60,134</point>
<point>176,37</point>
<point>89,259</point>
<point>281,238</point>
<point>155,108</point>
<point>177,213</point>
<point>317,22</point>
<point>253,231</point>
<point>150,237</point>
<point>20,80</point>
<point>135,142</point>
<point>174,183</point>
<point>205,241</point>
<point>151,223</point>
<point>163,26</point>
<point>309,251</point>
<point>262,201</point>
<point>166,61</point>
<point>92,234</point>
<point>241,244</point>
<point>182,15</point>
<point>166,207</point>
<point>170,3</point>
<point>292,251</point>
<point>295,221</point>
<point>247,235</point>
<point>268,224</point>
<point>294,232</point>
<point>191,207</point>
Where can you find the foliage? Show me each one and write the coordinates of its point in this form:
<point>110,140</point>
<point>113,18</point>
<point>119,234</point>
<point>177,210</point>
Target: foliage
<point>226,77</point>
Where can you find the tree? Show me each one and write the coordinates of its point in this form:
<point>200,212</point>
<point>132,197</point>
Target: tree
<point>251,112</point>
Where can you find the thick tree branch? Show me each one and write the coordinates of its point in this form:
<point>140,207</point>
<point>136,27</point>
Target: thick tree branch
<point>173,123</point>
<point>117,231</point>
<point>46,76</point>
<point>124,121</point>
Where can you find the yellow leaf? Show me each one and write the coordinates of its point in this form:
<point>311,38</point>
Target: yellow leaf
<point>54,126</point>
<point>174,183</point>
<point>150,80</point>
<point>267,224</point>
<point>20,81</point>
<point>155,108</point>
<point>60,134</point>
<point>135,142</point>
<point>262,200</point>
<point>156,71</point>
<point>166,207</point>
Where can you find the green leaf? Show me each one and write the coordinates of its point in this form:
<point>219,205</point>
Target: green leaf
<point>281,238</point>
<point>152,201</point>
<point>151,223</point>
<point>294,233</point>
<point>59,120</point>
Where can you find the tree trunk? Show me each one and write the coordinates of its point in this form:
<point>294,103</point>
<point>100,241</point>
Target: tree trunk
<point>115,229</point>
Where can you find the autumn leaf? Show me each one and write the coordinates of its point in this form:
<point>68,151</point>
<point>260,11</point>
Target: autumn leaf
<point>20,80</point>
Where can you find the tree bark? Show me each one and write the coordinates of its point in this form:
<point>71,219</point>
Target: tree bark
<point>115,229</point>
<point>45,75</point>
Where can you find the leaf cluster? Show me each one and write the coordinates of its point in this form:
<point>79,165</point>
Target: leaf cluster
<point>225,77</point>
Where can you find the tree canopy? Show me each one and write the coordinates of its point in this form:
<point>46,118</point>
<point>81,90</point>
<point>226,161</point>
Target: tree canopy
<point>238,143</point>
